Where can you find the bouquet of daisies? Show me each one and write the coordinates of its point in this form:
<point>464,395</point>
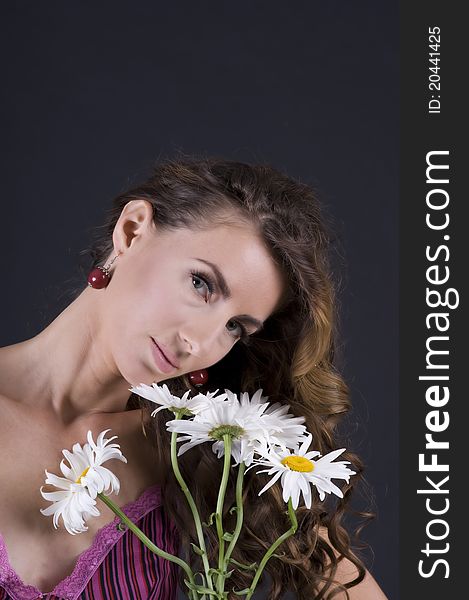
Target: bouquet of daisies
<point>251,432</point>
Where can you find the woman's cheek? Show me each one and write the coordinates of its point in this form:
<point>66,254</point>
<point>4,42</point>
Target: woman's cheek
<point>168,307</point>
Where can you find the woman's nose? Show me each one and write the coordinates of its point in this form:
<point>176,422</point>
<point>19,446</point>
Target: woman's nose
<point>191,345</point>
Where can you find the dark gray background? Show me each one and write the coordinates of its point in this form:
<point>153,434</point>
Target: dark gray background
<point>94,92</point>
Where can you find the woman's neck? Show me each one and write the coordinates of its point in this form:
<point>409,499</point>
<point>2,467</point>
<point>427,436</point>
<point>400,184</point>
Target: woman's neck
<point>67,368</point>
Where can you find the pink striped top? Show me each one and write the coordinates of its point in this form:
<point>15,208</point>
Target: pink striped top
<point>117,565</point>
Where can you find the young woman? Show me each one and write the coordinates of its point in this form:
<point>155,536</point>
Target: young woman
<point>219,277</point>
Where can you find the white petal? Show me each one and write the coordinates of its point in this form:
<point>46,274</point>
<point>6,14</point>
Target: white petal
<point>304,485</point>
<point>271,482</point>
<point>295,496</point>
<point>187,446</point>
<point>62,495</point>
<point>288,482</point>
<point>59,482</point>
<point>305,445</point>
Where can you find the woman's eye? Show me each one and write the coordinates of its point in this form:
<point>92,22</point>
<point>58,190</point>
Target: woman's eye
<point>199,281</point>
<point>242,333</point>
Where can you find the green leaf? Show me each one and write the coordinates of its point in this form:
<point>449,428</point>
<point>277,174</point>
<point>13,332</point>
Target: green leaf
<point>199,588</point>
<point>242,592</point>
<point>197,550</point>
<point>213,571</point>
<point>210,521</point>
<point>202,576</point>
<point>220,573</point>
<point>251,567</point>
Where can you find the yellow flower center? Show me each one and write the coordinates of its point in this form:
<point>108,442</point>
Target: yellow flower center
<point>82,475</point>
<point>298,463</point>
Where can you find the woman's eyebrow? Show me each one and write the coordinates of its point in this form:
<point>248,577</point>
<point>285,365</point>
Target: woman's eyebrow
<point>226,293</point>
<point>221,281</point>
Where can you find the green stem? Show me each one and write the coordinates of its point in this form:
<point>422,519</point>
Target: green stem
<point>142,537</point>
<point>193,507</point>
<point>275,545</point>
<point>219,512</point>
<point>239,512</point>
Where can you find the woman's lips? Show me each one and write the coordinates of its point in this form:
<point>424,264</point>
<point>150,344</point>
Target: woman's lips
<point>168,354</point>
<point>160,359</point>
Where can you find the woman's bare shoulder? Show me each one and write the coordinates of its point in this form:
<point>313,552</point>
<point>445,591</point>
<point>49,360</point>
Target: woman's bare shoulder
<point>368,589</point>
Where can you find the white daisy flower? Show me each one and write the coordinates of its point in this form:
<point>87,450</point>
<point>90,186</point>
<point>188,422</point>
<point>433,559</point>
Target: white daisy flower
<point>73,503</point>
<point>249,420</point>
<point>83,480</point>
<point>228,416</point>
<point>161,395</point>
<point>276,425</point>
<point>297,470</point>
<point>286,429</point>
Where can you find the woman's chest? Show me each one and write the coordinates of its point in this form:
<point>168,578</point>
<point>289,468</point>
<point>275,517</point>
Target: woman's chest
<point>38,553</point>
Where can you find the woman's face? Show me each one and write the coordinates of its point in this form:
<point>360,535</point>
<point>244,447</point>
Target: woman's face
<point>164,289</point>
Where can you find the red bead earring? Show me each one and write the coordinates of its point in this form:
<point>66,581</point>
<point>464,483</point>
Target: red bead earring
<point>99,277</point>
<point>198,378</point>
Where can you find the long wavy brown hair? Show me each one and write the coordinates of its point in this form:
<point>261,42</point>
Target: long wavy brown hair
<point>291,359</point>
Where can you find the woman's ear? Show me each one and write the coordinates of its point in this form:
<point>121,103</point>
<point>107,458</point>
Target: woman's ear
<point>134,223</point>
